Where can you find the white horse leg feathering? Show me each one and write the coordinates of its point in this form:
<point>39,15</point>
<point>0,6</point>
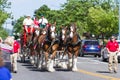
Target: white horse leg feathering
<point>50,65</point>
<point>74,68</point>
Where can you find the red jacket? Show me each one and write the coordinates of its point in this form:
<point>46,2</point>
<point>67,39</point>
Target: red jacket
<point>112,46</point>
<point>36,22</point>
<point>16,46</point>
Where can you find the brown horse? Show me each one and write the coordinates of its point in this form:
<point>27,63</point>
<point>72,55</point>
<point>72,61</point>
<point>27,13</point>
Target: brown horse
<point>73,47</point>
<point>26,51</point>
<point>30,46</point>
<point>38,48</point>
<point>50,47</point>
<point>35,46</point>
<point>22,50</point>
<point>62,47</point>
<point>63,38</point>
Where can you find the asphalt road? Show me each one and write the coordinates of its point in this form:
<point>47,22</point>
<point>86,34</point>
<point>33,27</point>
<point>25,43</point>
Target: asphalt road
<point>89,68</point>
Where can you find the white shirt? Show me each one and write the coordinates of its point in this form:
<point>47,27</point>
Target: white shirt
<point>43,21</point>
<point>28,21</point>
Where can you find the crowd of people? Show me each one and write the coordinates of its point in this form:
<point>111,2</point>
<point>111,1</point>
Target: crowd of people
<point>4,72</point>
<point>8,48</point>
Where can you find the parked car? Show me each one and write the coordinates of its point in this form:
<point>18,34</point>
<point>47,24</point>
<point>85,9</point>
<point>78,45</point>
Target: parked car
<point>90,47</point>
<point>105,54</point>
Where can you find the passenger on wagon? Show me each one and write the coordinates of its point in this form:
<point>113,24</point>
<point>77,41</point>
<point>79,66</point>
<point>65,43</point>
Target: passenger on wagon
<point>28,27</point>
<point>43,22</point>
<point>36,25</point>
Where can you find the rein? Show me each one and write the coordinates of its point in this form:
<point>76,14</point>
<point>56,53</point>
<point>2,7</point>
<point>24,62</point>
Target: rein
<point>50,45</point>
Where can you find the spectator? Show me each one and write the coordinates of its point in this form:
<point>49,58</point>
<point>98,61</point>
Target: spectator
<point>112,48</point>
<point>9,40</point>
<point>14,56</point>
<point>4,72</point>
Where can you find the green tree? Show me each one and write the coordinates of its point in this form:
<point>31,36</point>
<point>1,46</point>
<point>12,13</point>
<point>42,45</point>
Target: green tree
<point>51,15</point>
<point>77,11</point>
<point>43,10</point>
<point>3,16</point>
<point>18,27</point>
<point>102,21</point>
<point>95,16</point>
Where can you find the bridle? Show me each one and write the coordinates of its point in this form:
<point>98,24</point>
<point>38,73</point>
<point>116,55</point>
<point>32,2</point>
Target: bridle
<point>63,34</point>
<point>52,32</point>
<point>72,32</point>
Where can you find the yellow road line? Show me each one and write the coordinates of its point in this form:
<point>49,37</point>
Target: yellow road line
<point>98,75</point>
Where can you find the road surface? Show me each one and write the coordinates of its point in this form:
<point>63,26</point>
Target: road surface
<point>89,68</point>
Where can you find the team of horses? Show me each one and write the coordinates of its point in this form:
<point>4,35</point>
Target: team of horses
<point>43,48</point>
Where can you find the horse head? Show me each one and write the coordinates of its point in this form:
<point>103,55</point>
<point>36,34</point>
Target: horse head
<point>63,34</point>
<point>72,30</point>
<point>42,36</point>
<point>52,32</point>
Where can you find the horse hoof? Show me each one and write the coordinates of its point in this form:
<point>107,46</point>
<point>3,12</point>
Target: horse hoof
<point>69,67</point>
<point>74,69</point>
<point>59,65</point>
<point>32,62</point>
<point>44,66</point>
<point>39,67</point>
<point>51,70</point>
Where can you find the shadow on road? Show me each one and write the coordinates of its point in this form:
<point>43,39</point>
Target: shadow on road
<point>102,71</point>
<point>61,69</point>
<point>30,67</point>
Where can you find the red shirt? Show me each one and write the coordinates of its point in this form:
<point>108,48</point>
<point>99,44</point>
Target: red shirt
<point>16,46</point>
<point>36,22</point>
<point>112,46</point>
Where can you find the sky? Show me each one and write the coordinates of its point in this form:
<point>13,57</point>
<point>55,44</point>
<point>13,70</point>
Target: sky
<point>27,7</point>
<point>24,7</point>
